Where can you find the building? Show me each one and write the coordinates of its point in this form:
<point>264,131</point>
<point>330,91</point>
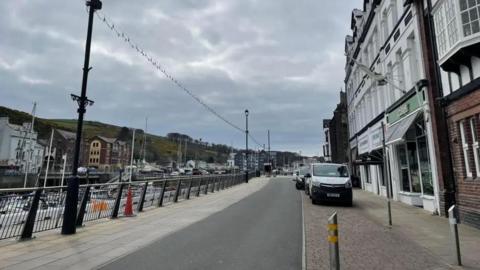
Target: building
<point>392,105</point>
<point>19,147</point>
<point>108,154</point>
<point>326,145</point>
<point>335,148</point>
<point>455,31</point>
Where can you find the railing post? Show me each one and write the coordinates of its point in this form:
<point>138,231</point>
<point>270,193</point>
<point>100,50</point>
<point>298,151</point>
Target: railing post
<point>83,205</point>
<point>219,182</point>
<point>214,181</point>
<point>333,242</point>
<point>199,186</point>
<point>116,206</point>
<point>452,218</point>
<point>142,197</point>
<point>162,193</point>
<point>32,215</point>
<point>175,199</point>
<point>206,188</point>
<point>223,182</point>
<point>189,188</point>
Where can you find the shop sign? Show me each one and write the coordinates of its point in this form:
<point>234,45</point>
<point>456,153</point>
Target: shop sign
<point>363,145</point>
<point>406,108</point>
<point>376,138</point>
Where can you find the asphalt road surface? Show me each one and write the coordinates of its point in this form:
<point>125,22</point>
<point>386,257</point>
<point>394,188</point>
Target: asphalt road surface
<point>262,231</point>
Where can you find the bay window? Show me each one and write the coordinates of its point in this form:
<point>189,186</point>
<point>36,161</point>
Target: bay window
<point>455,21</point>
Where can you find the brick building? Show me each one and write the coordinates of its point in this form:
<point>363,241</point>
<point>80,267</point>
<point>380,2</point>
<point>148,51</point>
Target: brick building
<point>107,154</point>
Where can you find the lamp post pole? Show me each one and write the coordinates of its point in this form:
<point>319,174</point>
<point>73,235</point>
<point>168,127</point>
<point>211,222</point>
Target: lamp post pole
<point>246,145</point>
<point>71,200</point>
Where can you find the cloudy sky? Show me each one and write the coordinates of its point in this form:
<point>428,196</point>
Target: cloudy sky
<point>281,59</point>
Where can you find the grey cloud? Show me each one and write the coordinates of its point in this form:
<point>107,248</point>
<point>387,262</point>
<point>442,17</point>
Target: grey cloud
<point>280,59</point>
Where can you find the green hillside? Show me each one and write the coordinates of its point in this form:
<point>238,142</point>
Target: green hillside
<point>158,148</point>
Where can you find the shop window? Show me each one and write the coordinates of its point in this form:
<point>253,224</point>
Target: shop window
<point>367,174</point>
<point>464,143</point>
<point>405,179</point>
<point>425,168</point>
<point>413,166</point>
<point>475,146</point>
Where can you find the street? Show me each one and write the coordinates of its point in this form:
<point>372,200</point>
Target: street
<point>263,231</point>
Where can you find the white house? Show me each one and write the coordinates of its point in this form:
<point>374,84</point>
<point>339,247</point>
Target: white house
<point>19,147</point>
<point>386,44</point>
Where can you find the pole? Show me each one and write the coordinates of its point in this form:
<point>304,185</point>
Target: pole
<point>131,158</point>
<point>385,172</point>
<point>30,134</point>
<point>333,242</point>
<point>452,218</point>
<point>48,161</point>
<point>246,145</point>
<point>64,165</point>
<point>71,200</point>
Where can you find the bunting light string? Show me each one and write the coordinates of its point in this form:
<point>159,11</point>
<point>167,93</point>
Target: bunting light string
<point>156,64</point>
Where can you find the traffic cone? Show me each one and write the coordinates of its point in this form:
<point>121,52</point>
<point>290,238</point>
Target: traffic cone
<point>129,205</point>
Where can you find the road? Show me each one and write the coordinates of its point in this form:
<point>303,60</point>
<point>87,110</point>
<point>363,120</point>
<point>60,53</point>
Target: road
<point>263,231</point>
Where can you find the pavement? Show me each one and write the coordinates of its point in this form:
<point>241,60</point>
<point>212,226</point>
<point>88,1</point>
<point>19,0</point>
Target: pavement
<point>262,231</point>
<point>417,239</point>
<point>104,241</point>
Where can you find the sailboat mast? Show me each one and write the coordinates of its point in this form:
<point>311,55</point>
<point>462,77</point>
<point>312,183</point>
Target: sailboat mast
<point>29,153</point>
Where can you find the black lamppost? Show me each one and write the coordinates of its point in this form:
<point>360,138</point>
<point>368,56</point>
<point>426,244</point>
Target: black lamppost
<point>71,200</point>
<point>246,144</point>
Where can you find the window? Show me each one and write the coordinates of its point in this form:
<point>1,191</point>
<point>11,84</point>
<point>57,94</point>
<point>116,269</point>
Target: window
<point>464,143</point>
<point>475,146</point>
<point>367,174</point>
<point>469,10</point>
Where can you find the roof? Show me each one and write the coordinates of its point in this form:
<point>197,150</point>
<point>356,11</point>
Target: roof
<point>67,134</point>
<point>108,140</point>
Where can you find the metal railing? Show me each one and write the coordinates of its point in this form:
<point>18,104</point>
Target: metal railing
<point>24,211</point>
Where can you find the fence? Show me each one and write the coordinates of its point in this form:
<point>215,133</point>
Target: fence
<point>26,211</point>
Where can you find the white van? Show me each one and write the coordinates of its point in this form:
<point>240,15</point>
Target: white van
<point>330,182</point>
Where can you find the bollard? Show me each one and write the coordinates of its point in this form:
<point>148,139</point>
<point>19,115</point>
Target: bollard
<point>333,242</point>
<point>452,219</point>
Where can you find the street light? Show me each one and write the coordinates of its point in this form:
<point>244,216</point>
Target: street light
<point>246,144</point>
<point>71,199</point>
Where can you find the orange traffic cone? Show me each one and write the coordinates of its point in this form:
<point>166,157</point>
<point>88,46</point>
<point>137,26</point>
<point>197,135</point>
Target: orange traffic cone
<point>129,205</point>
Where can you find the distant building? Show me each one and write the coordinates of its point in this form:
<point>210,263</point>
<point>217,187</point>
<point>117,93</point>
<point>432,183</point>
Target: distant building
<point>336,133</point>
<point>19,147</point>
<point>326,145</point>
<point>108,154</point>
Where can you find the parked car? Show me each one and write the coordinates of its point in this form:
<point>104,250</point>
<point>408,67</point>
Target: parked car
<point>330,182</point>
<point>300,177</point>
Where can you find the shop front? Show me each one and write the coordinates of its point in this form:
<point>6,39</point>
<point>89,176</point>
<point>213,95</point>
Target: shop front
<point>408,141</point>
<point>370,160</point>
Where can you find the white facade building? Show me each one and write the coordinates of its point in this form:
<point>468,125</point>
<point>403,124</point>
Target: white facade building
<point>386,40</point>
<point>19,147</point>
